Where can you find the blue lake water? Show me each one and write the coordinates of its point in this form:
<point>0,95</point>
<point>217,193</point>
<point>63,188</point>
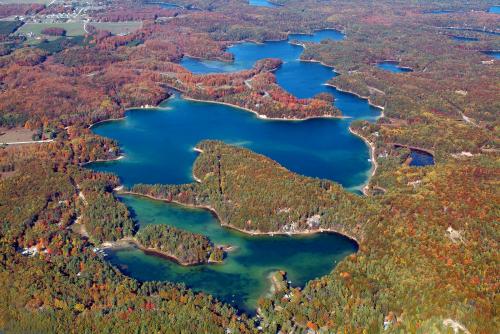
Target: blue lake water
<point>393,67</point>
<point>464,39</point>
<point>158,146</point>
<point>261,3</point>
<point>421,159</point>
<point>164,4</point>
<point>494,54</point>
<point>158,143</point>
<point>440,11</point>
<point>246,54</point>
<point>494,9</point>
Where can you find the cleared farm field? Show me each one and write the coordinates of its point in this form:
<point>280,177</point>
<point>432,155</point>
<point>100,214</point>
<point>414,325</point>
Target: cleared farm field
<point>77,28</point>
<point>72,28</point>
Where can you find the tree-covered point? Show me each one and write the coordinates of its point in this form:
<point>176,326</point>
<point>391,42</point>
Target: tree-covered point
<point>253,193</point>
<point>185,247</point>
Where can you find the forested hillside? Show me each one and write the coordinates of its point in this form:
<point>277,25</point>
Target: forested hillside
<point>255,194</point>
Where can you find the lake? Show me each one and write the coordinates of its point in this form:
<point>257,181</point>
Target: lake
<point>158,145</point>
<point>243,277</point>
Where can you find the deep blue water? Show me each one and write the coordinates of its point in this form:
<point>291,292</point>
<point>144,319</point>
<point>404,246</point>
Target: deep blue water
<point>464,39</point>
<point>494,54</point>
<point>495,10</point>
<point>246,54</point>
<point>393,67</point>
<point>440,11</point>
<point>421,159</point>
<point>158,145</point>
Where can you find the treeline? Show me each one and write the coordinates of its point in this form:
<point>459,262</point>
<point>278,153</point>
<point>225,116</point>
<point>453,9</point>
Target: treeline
<point>54,31</point>
<point>185,247</point>
<point>75,99</point>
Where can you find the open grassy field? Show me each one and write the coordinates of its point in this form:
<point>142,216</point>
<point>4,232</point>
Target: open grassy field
<point>77,28</point>
<point>72,28</point>
<point>15,135</point>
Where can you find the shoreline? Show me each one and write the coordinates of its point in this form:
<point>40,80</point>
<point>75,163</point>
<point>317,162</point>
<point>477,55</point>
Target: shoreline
<point>120,157</point>
<point>107,120</point>
<point>28,142</point>
<point>252,233</point>
<point>132,242</point>
<point>367,98</point>
<point>414,148</point>
<point>260,116</point>
<point>373,160</point>
<point>129,109</point>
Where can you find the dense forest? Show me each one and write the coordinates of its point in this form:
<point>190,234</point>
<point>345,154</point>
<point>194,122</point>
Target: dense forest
<point>185,247</point>
<point>428,236</point>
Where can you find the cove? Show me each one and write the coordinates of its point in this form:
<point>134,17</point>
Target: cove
<point>464,39</point>
<point>158,146</point>
<point>494,54</point>
<point>262,3</point>
<point>243,277</point>
<point>440,11</point>
<point>393,67</point>
<point>421,159</point>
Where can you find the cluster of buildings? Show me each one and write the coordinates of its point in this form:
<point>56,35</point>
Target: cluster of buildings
<point>70,11</point>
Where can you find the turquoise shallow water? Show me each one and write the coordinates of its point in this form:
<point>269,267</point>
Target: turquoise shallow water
<point>243,277</point>
<point>494,10</point>
<point>158,146</point>
<point>261,3</point>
